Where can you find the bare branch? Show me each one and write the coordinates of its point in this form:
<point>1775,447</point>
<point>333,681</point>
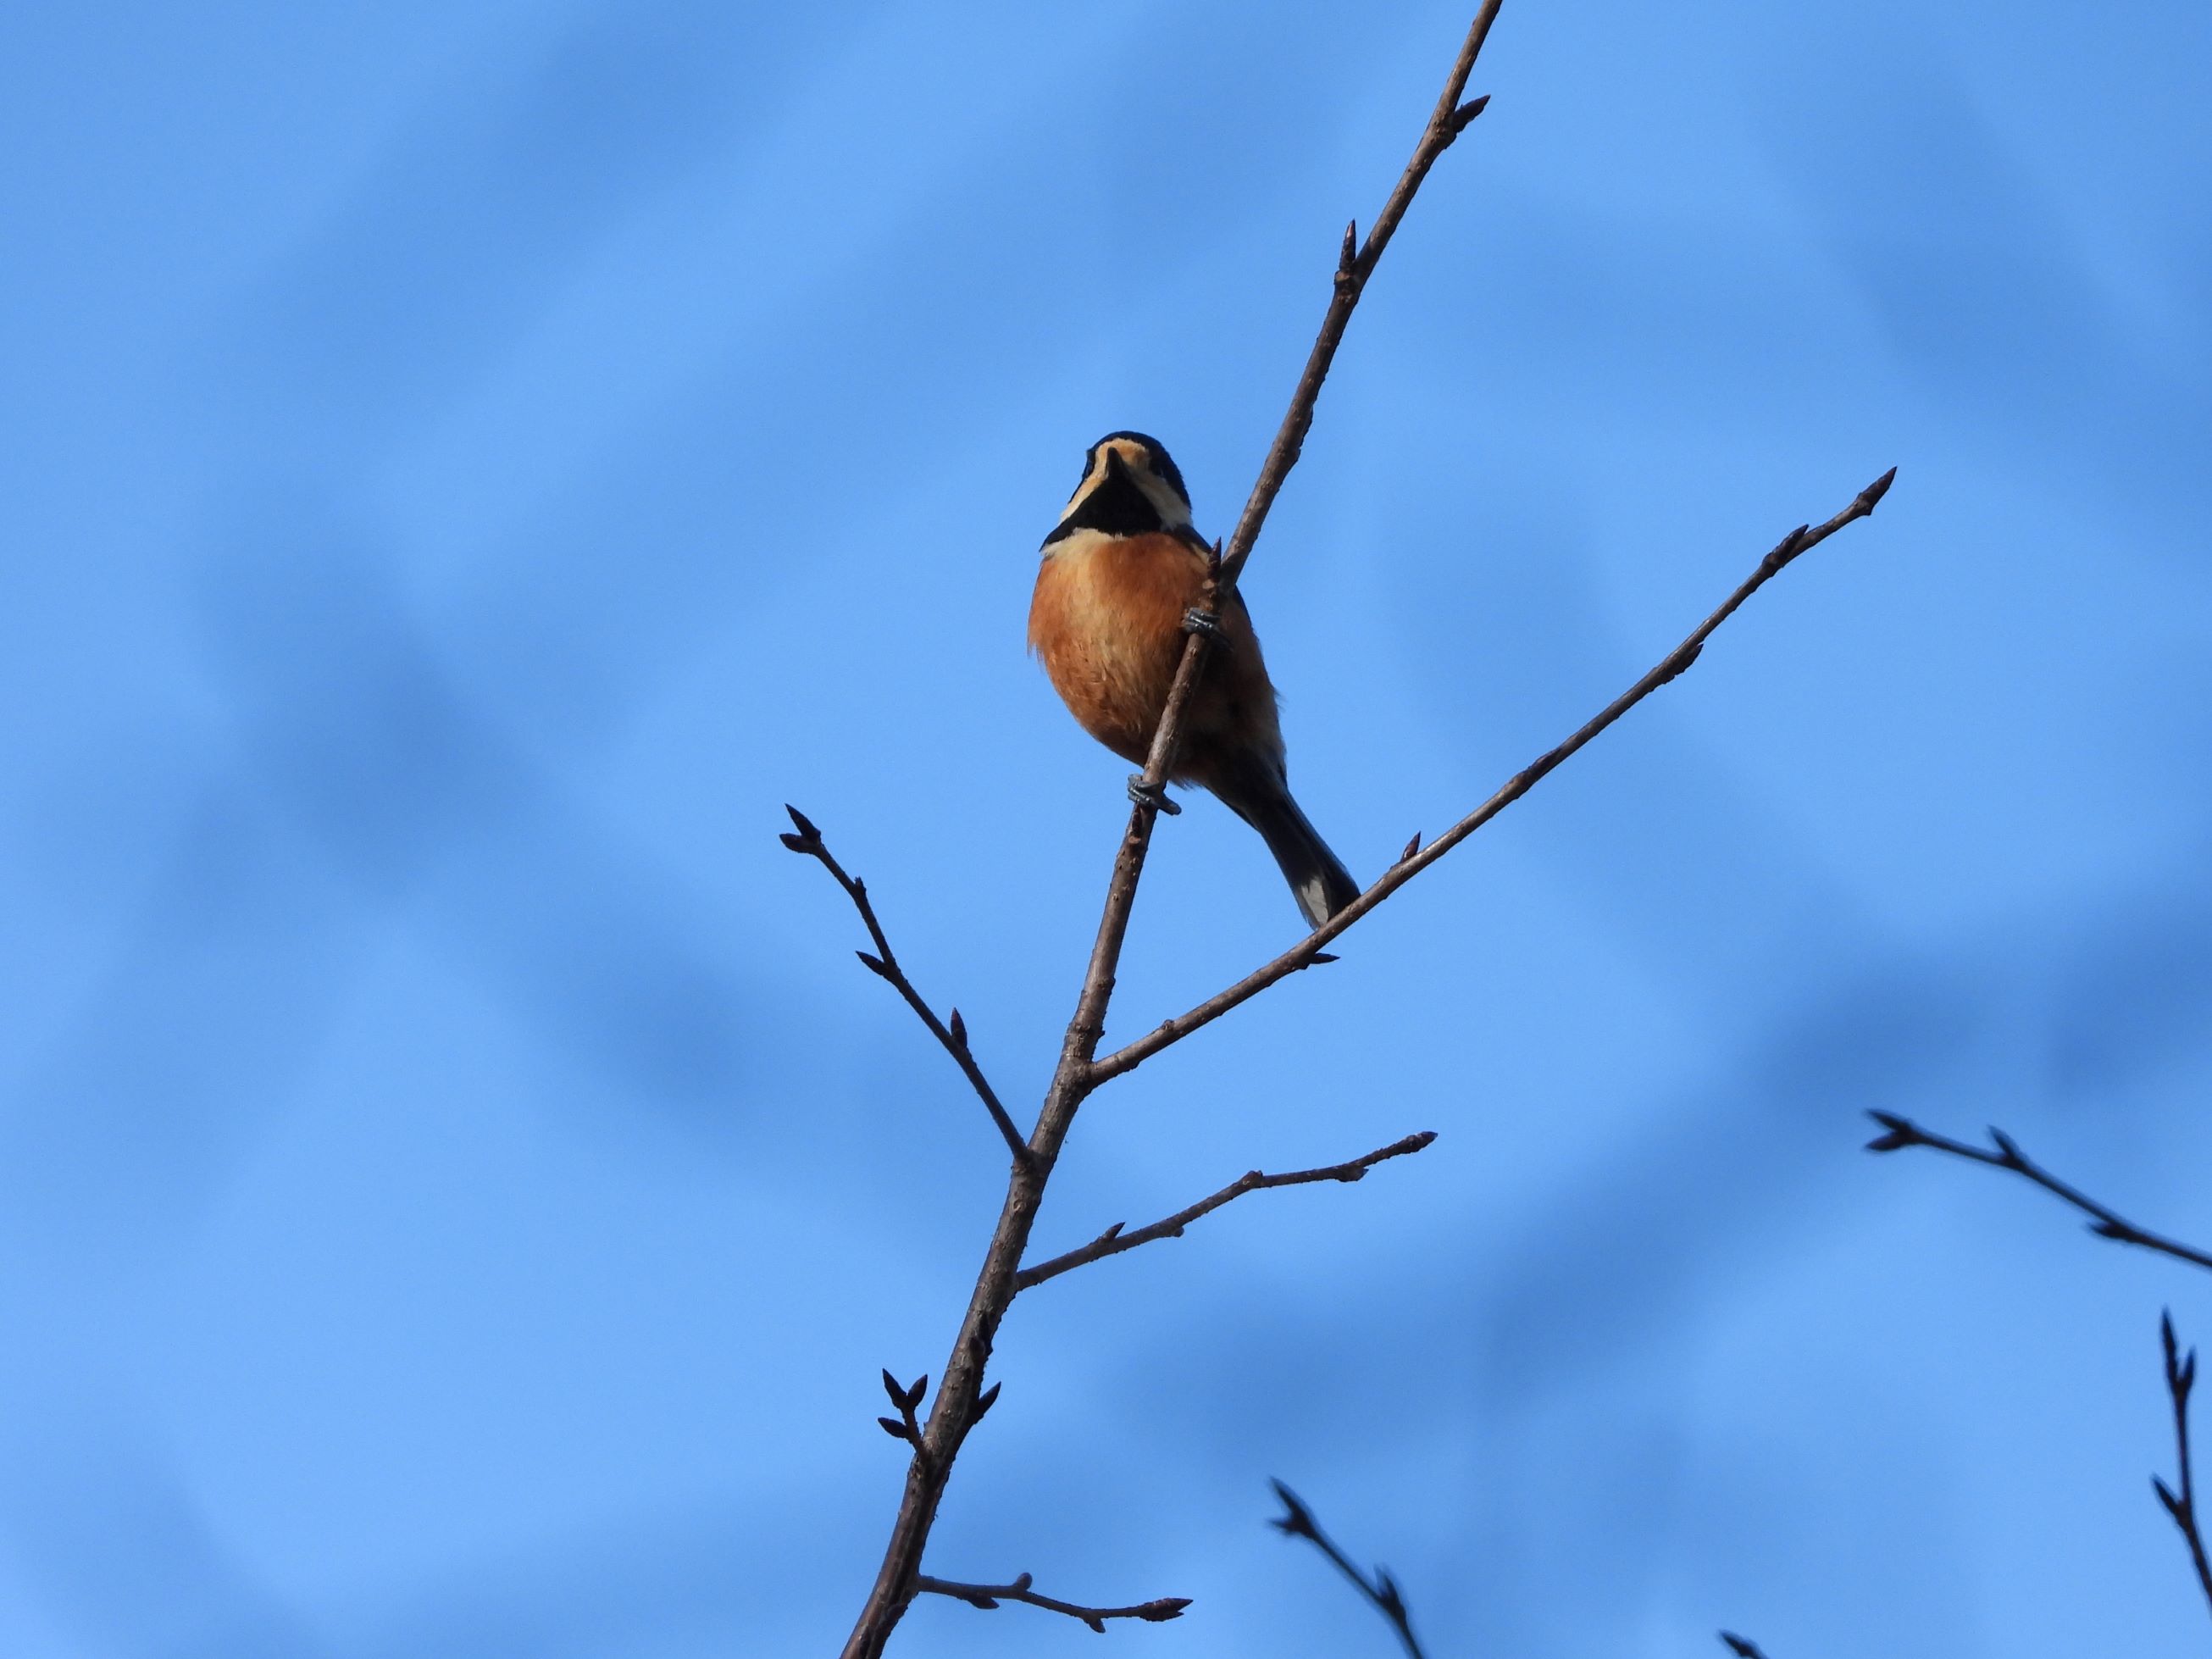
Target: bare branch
<point>1900,1132</point>
<point>1302,954</point>
<point>2180,1378</point>
<point>885,966</point>
<point>953,1413</point>
<point>1114,1240</point>
<point>1445,123</point>
<point>989,1596</point>
<point>1742,1647</point>
<point>1448,120</point>
<point>1297,1520</point>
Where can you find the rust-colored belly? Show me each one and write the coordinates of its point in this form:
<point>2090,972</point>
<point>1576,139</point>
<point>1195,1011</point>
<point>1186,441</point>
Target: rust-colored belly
<point>1106,619</point>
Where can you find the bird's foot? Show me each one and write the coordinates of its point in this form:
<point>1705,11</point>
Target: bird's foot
<point>1152,795</point>
<point>1200,621</point>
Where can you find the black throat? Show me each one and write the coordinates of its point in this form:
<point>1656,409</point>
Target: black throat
<point>1115,507</point>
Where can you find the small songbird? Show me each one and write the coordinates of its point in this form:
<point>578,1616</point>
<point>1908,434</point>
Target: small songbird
<point>1118,586</point>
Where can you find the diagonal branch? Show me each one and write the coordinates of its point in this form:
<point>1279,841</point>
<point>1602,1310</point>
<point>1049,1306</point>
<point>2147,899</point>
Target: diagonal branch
<point>989,1596</point>
<point>1114,1240</point>
<point>1302,955</point>
<point>2180,1378</point>
<point>1446,122</point>
<point>1298,1522</point>
<point>1742,1646</point>
<point>953,1413</point>
<point>884,966</point>
<point>1901,1133</point>
<point>1353,267</point>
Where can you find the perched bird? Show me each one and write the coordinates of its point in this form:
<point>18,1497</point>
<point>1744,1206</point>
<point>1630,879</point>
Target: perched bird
<point>1118,587</point>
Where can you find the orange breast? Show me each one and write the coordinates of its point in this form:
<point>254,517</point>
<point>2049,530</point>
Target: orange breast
<point>1106,619</point>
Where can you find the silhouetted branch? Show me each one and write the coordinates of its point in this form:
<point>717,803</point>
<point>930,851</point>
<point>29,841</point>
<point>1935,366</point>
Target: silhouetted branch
<point>1741,1647</point>
<point>1298,1522</point>
<point>1303,953</point>
<point>960,1396</point>
<point>2180,1378</point>
<point>1900,1132</point>
<point>989,1596</point>
<point>1114,1240</point>
<point>884,965</point>
<point>953,1413</point>
<point>1446,122</point>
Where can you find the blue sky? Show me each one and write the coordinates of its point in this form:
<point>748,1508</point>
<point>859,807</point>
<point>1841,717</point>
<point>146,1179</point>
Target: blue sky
<point>465,467</point>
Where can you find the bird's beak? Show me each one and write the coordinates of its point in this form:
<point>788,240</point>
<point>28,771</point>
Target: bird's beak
<point>1115,466</point>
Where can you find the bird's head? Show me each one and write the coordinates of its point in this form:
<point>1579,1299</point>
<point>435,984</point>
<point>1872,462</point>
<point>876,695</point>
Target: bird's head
<point>1130,486</point>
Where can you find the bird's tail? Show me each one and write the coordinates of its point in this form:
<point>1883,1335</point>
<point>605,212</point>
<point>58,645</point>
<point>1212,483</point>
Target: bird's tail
<point>1257,793</point>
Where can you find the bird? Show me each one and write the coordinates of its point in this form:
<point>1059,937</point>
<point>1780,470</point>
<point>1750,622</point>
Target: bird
<point>1120,582</point>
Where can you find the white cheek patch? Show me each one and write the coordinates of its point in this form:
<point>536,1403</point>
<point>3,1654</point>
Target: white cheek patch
<point>1090,481</point>
<point>1173,514</point>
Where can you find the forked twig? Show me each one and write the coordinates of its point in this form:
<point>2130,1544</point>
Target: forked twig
<point>1302,955</point>
<point>989,1596</point>
<point>1114,1240</point>
<point>2180,1378</point>
<point>960,1395</point>
<point>884,966</point>
<point>1297,1520</point>
<point>1900,1132</point>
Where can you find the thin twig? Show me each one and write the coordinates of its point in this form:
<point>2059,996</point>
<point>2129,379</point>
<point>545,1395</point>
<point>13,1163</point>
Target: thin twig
<point>952,1414</point>
<point>1446,122</point>
<point>1114,1240</point>
<point>904,1398</point>
<point>884,965</point>
<point>1900,1132</point>
<point>1302,955</point>
<point>989,1596</point>
<point>1298,1522</point>
<point>2180,1378</point>
<point>1742,1647</point>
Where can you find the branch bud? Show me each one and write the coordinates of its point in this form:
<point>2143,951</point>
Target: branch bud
<point>1296,1521</point>
<point>1901,1133</point>
<point>2166,1496</point>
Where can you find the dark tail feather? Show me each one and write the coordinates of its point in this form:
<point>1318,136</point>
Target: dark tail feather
<point>1318,880</point>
